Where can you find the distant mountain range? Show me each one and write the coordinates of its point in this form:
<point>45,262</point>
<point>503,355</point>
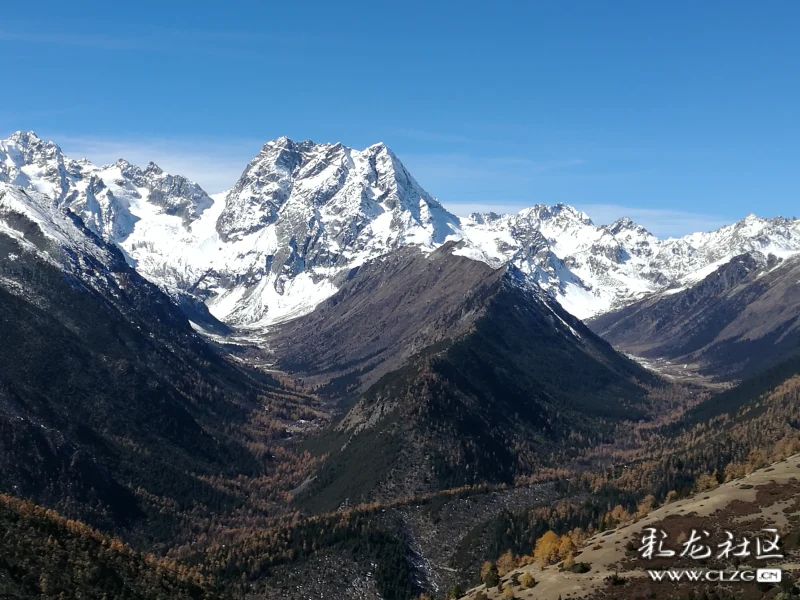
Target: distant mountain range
<point>303,214</point>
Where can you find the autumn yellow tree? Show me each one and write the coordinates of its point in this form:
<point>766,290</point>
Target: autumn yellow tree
<point>734,470</point>
<point>578,536</point>
<point>527,581</point>
<point>566,547</point>
<point>506,563</point>
<point>706,482</point>
<point>646,505</point>
<point>546,550</point>
<point>618,515</point>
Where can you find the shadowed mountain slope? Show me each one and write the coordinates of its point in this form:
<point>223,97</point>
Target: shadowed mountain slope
<point>494,378</point>
<point>107,395</point>
<point>738,321</point>
<point>385,312</point>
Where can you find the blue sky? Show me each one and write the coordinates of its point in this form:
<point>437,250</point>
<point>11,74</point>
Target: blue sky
<point>681,115</point>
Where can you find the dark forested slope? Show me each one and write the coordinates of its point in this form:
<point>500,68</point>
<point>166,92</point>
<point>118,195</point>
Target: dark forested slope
<point>110,405</point>
<point>514,378</point>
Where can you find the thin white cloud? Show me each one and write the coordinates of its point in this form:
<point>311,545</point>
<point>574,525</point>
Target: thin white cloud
<point>148,38</point>
<point>438,168</point>
<point>216,165</point>
<point>662,222</point>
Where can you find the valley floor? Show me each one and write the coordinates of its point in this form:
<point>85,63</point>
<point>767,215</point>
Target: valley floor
<point>686,373</point>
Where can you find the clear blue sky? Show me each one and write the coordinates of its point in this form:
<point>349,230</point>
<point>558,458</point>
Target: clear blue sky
<point>682,115</point>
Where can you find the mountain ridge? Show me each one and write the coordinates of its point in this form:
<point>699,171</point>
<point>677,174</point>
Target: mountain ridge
<point>303,214</point>
<point>104,385</point>
<point>461,373</point>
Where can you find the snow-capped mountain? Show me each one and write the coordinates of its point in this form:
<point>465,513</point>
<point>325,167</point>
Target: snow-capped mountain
<point>592,269</point>
<point>302,215</point>
<point>587,268</point>
<point>35,224</point>
<point>109,199</point>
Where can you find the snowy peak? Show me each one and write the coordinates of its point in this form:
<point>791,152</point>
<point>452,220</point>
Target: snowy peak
<point>558,214</point>
<point>174,194</point>
<point>592,269</point>
<point>336,181</point>
<point>303,213</point>
<point>31,148</point>
<point>628,227</point>
<point>153,169</point>
<point>37,225</point>
<point>30,162</point>
<point>107,198</point>
<point>268,181</point>
<point>483,218</point>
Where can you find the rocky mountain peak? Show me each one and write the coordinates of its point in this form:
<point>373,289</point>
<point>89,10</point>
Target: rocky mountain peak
<point>332,178</point>
<point>321,208</point>
<point>30,162</point>
<point>153,169</point>
<point>25,138</point>
<point>625,224</point>
<point>559,212</point>
<point>483,218</point>
<point>27,147</point>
